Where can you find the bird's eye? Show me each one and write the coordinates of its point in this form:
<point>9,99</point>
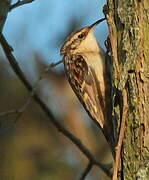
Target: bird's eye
<point>81,35</point>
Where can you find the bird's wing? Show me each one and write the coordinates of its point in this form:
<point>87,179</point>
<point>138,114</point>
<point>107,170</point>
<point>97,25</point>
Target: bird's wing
<point>85,85</point>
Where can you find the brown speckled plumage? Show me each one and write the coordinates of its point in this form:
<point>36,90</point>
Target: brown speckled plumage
<point>84,63</point>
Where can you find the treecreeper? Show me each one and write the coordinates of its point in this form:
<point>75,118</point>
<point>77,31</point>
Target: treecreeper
<point>85,66</point>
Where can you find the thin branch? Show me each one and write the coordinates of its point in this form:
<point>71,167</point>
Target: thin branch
<point>53,65</point>
<point>23,108</point>
<point>50,66</point>
<point>86,170</point>
<point>10,112</point>
<point>20,3</point>
<point>17,112</point>
<point>121,136</point>
<point>42,75</point>
<point>46,109</point>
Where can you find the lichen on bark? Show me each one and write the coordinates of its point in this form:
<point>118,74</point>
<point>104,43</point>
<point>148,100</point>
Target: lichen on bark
<point>131,27</point>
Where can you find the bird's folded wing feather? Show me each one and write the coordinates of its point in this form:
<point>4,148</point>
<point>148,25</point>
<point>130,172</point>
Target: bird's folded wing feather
<point>85,85</point>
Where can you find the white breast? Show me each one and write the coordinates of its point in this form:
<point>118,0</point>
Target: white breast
<point>93,54</point>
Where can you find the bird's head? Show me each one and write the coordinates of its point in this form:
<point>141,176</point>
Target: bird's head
<point>78,37</point>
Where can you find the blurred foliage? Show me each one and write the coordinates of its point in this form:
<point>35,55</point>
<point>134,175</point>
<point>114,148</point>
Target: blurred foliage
<point>31,147</point>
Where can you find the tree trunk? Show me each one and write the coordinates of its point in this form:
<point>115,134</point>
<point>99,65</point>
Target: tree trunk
<point>129,33</point>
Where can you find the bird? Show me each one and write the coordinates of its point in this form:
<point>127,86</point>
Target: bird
<point>85,67</point>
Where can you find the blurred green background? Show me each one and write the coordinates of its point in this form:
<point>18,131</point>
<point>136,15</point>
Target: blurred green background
<point>31,148</point>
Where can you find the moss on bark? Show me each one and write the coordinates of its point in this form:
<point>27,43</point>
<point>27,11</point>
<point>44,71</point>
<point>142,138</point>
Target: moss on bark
<point>130,31</point>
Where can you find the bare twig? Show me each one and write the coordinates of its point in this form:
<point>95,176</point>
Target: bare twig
<point>53,65</point>
<point>42,75</point>
<point>50,66</point>
<point>86,170</point>
<point>16,111</point>
<point>121,136</point>
<point>23,108</point>
<point>20,3</point>
<point>46,109</point>
<point>10,112</point>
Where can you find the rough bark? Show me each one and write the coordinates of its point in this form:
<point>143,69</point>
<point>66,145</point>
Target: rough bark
<point>129,30</point>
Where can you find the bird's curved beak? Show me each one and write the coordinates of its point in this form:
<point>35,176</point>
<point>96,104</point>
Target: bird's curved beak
<point>96,23</point>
